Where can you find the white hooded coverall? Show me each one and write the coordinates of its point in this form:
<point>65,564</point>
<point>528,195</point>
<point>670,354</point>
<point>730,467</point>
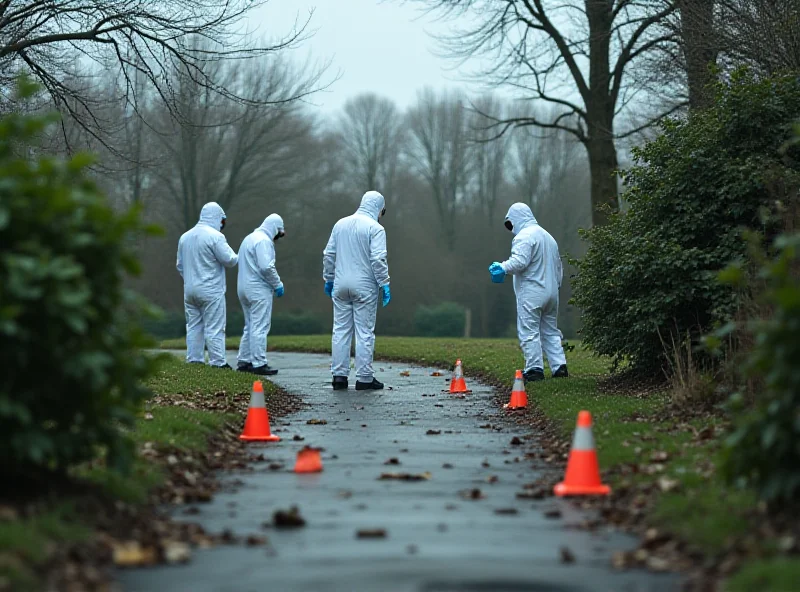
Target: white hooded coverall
<point>257,282</point>
<point>203,255</point>
<point>355,261</point>
<point>536,266</point>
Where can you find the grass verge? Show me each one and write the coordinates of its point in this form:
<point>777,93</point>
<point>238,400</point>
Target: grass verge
<point>29,537</point>
<point>630,431</point>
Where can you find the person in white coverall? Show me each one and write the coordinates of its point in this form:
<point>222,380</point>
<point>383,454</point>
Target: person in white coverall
<point>203,255</point>
<point>258,281</point>
<point>356,275</point>
<point>536,266</point>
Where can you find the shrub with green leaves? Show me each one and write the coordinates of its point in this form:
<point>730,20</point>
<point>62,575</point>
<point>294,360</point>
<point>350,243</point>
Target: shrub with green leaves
<point>764,449</point>
<point>72,372</point>
<point>443,320</point>
<point>652,270</point>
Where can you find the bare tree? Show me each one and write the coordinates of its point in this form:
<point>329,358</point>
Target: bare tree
<point>222,150</point>
<point>440,150</point>
<point>489,157</point>
<point>370,132</point>
<point>543,48</point>
<point>142,38</point>
<point>764,34</point>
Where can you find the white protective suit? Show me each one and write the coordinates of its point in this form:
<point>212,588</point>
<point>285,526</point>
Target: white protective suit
<point>203,255</point>
<point>258,280</point>
<point>536,266</point>
<point>355,261</point>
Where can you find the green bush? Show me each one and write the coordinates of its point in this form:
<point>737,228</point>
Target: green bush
<point>652,271</point>
<point>764,449</point>
<point>165,324</point>
<point>283,323</point>
<point>443,320</point>
<point>71,368</point>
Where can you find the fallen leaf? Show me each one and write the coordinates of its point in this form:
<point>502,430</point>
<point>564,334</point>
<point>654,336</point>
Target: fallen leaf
<point>506,511</point>
<point>492,479</point>
<point>447,466</point>
<point>290,518</point>
<point>535,494</point>
<point>433,432</point>
<point>657,564</point>
<point>374,533</point>
<point>552,513</point>
<point>437,374</point>
<point>298,438</point>
<point>666,484</point>
<point>132,554</point>
<point>405,476</point>
<point>659,456</point>
<point>566,555</point>
<point>255,541</point>
<point>392,461</point>
<point>472,494</point>
<point>316,422</point>
<point>405,373</point>
<point>516,441</point>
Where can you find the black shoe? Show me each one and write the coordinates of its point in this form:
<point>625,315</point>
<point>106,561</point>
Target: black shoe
<point>561,372</point>
<point>369,386</point>
<point>246,367</point>
<point>201,363</point>
<point>533,375</point>
<point>340,383</point>
<point>223,367</point>
<point>264,370</point>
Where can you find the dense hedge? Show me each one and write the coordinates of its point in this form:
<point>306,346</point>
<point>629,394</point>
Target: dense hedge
<point>652,270</point>
<point>71,368</point>
<point>443,320</point>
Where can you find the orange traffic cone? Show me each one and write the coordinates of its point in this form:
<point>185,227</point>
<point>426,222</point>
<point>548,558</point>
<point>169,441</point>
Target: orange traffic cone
<point>519,398</point>
<point>458,385</point>
<point>583,471</point>
<point>256,426</point>
<point>308,461</point>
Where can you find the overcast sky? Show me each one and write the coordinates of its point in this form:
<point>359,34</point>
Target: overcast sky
<point>382,46</point>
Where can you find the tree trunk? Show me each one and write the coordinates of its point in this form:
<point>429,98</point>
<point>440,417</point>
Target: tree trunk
<point>600,111</point>
<point>699,49</point>
<point>603,164</point>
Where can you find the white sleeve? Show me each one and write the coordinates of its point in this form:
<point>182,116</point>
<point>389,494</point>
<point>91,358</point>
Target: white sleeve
<point>329,258</point>
<point>265,262</point>
<point>378,256</point>
<point>521,253</point>
<point>224,253</point>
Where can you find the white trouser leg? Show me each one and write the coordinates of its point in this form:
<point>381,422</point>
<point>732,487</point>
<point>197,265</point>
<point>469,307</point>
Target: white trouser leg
<point>260,321</point>
<point>365,312</point>
<point>244,356</point>
<point>343,327</point>
<point>194,332</point>
<point>214,321</point>
<point>528,319</point>
<point>551,338</point>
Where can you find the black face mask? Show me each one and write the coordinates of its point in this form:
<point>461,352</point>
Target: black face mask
<point>383,212</point>
<point>222,225</point>
<point>509,225</point>
<point>280,235</point>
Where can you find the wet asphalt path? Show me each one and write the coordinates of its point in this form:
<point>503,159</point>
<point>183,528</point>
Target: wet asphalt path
<point>436,540</point>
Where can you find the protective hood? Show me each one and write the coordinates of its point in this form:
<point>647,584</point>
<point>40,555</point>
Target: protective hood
<point>520,215</point>
<point>212,215</point>
<point>272,225</point>
<point>371,205</point>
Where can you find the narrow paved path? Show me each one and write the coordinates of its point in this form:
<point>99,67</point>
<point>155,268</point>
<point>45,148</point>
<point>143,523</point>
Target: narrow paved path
<point>436,540</point>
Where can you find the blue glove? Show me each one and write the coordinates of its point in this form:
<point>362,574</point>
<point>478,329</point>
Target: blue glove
<point>279,291</point>
<point>387,295</point>
<point>498,275</point>
<point>329,289</point>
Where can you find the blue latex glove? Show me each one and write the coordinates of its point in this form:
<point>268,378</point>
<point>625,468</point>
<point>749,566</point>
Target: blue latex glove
<point>386,295</point>
<point>279,291</point>
<point>329,289</point>
<point>498,275</point>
